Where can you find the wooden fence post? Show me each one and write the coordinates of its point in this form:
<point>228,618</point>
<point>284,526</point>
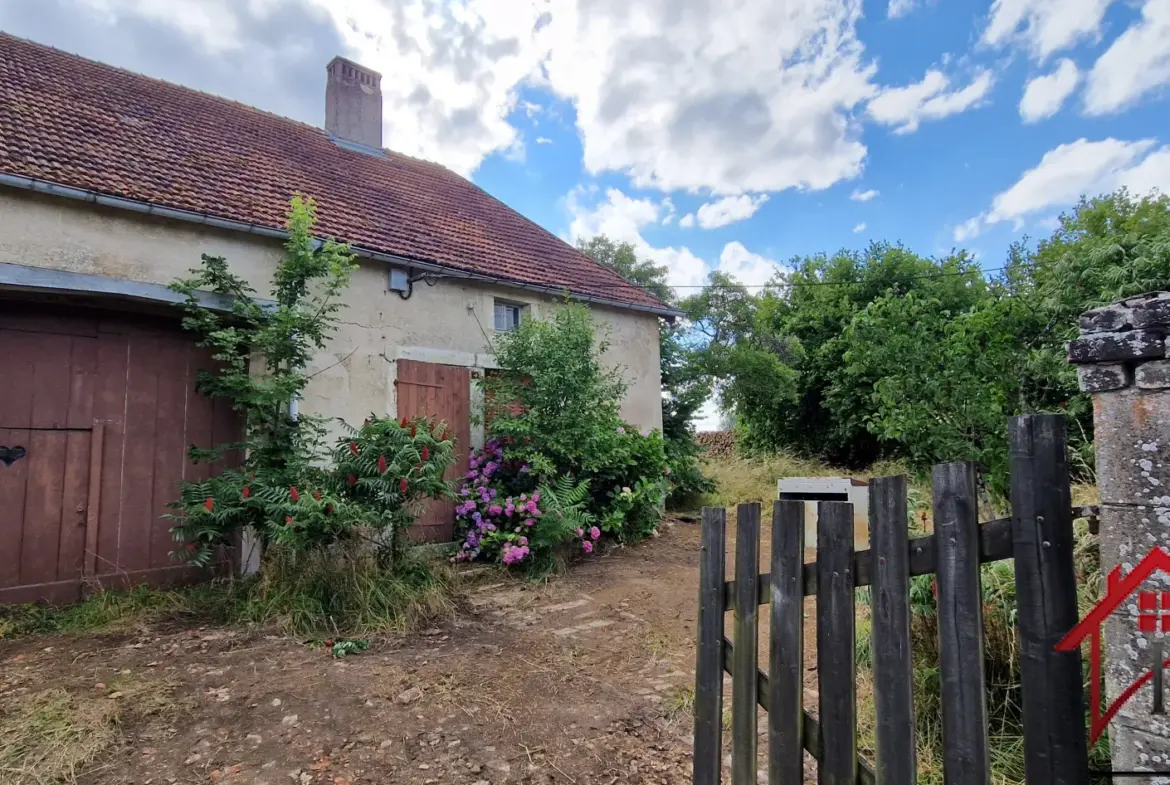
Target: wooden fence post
<point>1055,749</point>
<point>744,688</point>
<point>786,661</point>
<point>960,625</point>
<point>890,606</point>
<point>708,748</point>
<point>836,671</point>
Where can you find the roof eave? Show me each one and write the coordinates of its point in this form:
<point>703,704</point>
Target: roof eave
<point>190,216</point>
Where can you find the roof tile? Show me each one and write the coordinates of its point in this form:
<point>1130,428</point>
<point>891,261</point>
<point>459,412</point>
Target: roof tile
<point>88,125</point>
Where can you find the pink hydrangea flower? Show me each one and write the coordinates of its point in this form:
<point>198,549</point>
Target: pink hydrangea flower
<point>587,546</point>
<point>595,533</point>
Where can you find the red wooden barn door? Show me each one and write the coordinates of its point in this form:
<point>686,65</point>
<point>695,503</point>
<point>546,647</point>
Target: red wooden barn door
<point>442,392</point>
<point>152,414</point>
<point>97,411</point>
<point>46,431</point>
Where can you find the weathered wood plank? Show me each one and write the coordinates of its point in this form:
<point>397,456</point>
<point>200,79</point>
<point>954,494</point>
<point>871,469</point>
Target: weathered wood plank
<point>786,660</point>
<point>708,749</point>
<point>960,625</point>
<point>1055,750</point>
<point>835,644</point>
<point>743,684</point>
<point>811,730</point>
<point>995,544</point>
<point>892,675</point>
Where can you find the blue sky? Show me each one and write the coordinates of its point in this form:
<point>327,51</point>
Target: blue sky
<point>713,134</point>
<point>921,186</point>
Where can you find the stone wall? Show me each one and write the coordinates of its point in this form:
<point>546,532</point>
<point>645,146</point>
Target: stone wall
<point>1123,360</point>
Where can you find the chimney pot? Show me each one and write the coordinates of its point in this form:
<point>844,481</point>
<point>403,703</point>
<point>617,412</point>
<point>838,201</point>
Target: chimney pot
<point>353,102</point>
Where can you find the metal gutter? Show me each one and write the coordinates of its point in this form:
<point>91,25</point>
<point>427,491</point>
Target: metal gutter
<point>189,216</point>
<point>18,277</point>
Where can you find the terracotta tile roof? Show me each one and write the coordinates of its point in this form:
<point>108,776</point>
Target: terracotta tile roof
<point>83,124</point>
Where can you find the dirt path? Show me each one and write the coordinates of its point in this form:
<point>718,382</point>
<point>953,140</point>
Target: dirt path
<point>582,680</point>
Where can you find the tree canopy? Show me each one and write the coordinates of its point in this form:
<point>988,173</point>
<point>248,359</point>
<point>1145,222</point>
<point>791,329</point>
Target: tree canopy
<point>887,353</point>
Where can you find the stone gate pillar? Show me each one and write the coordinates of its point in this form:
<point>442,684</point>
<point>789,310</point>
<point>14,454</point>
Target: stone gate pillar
<point>1123,361</point>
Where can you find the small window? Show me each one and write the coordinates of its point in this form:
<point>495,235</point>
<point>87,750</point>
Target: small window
<point>507,316</point>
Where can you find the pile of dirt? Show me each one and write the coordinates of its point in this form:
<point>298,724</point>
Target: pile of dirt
<point>719,444</point>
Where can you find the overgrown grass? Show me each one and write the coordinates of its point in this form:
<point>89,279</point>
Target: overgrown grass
<point>345,592</point>
<point>739,479</point>
<point>754,479</point>
<point>50,737</point>
<point>341,592</point>
<point>109,610</point>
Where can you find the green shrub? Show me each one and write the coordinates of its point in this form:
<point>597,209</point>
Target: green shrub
<point>372,489</point>
<point>552,417</point>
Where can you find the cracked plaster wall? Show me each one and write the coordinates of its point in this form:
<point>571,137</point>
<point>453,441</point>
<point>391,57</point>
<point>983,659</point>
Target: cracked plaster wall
<point>448,323</point>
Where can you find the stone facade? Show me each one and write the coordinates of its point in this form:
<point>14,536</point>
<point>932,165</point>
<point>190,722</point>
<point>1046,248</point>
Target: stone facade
<point>1122,358</point>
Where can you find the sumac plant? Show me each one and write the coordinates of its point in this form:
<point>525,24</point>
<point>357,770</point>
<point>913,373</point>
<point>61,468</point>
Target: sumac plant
<point>380,475</point>
<point>390,467</point>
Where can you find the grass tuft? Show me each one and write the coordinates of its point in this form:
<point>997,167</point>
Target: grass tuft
<point>345,592</point>
<point>51,737</point>
<point>336,593</point>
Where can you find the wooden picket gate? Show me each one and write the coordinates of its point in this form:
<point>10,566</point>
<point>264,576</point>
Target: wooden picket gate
<point>1038,536</point>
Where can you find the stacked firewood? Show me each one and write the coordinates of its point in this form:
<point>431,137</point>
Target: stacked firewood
<point>719,444</point>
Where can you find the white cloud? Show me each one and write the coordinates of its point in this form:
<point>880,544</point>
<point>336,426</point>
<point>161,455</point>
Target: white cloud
<point>906,107</point>
<point>859,228</point>
<point>898,8</point>
<point>708,95</point>
<point>969,229</point>
<point>687,221</point>
<point>543,140</point>
<point>1134,65</point>
<point>668,206</point>
<point>451,71</point>
<point>622,218</point>
<point>1067,172</point>
<point>1044,95</point>
<point>1043,27</point>
<point>746,267</point>
<point>864,196</point>
<point>729,209</point>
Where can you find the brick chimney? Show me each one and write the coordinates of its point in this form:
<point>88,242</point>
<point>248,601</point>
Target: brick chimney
<point>353,102</point>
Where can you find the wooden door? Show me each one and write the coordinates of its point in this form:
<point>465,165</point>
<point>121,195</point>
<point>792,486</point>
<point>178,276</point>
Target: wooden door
<point>46,431</point>
<point>97,411</point>
<point>441,392</point>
